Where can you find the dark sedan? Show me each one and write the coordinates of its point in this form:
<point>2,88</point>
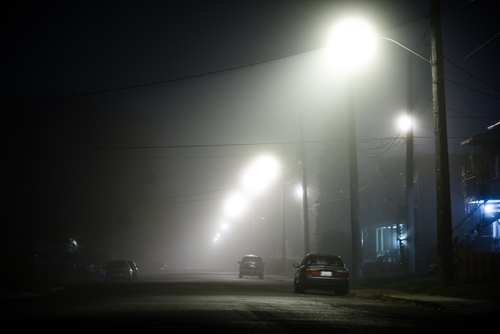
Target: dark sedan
<point>117,271</point>
<point>321,272</point>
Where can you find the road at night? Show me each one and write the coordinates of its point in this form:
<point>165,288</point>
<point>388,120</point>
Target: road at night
<point>214,300</point>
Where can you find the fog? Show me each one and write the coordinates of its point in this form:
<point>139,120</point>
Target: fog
<point>140,120</point>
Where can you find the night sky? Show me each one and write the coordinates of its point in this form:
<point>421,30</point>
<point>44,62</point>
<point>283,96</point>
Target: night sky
<point>140,117</point>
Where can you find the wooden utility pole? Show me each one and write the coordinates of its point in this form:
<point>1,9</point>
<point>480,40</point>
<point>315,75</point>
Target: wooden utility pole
<point>357,250</point>
<point>410,210</point>
<point>283,232</point>
<point>443,201</point>
<point>305,205</point>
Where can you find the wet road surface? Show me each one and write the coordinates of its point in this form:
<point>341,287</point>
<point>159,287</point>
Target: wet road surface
<point>196,301</point>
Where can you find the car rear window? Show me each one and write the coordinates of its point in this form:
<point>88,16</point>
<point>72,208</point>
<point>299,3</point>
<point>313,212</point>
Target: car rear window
<point>325,261</point>
<point>252,260</point>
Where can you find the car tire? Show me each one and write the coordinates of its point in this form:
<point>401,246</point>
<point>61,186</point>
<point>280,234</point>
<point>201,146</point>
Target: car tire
<point>299,287</point>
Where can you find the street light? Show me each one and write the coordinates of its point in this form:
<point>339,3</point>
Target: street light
<point>348,45</point>
<point>443,197</point>
<point>235,205</point>
<point>353,42</point>
<point>262,171</point>
<point>404,123</point>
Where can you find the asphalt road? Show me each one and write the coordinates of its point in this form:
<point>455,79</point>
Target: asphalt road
<point>194,301</point>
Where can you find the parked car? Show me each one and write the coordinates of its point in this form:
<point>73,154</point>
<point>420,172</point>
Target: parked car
<point>321,272</point>
<point>117,271</point>
<point>135,269</point>
<point>251,265</point>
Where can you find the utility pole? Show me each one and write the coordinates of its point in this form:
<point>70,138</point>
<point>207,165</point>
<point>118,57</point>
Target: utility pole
<point>410,212</point>
<point>283,249</point>
<point>305,205</point>
<point>443,201</point>
<point>357,250</point>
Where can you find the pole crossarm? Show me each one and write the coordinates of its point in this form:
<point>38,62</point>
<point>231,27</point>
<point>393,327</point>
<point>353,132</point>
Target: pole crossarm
<point>407,48</point>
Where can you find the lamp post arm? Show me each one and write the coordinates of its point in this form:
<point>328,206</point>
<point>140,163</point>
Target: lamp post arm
<point>407,48</point>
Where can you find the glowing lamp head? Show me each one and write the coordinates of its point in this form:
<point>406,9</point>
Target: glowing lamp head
<point>353,44</point>
<point>405,123</point>
<point>235,205</point>
<point>260,174</point>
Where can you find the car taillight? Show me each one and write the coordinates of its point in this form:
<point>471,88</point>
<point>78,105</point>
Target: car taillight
<point>341,272</point>
<point>312,271</point>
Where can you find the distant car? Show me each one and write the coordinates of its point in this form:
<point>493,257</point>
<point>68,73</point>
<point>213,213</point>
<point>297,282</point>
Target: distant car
<point>321,272</point>
<point>117,271</point>
<point>381,264</point>
<point>251,265</point>
<point>135,269</point>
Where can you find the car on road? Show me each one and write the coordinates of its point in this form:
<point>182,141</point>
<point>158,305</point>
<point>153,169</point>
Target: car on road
<point>251,265</point>
<point>135,269</point>
<point>321,272</point>
<point>117,271</point>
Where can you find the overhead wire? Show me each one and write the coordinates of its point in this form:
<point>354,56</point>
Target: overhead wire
<point>214,72</point>
<point>471,75</point>
<point>482,45</point>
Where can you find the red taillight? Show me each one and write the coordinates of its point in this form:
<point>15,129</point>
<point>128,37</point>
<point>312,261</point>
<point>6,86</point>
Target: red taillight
<point>342,272</point>
<point>312,271</point>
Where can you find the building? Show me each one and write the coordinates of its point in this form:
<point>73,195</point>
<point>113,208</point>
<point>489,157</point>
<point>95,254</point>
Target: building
<point>384,222</point>
<point>479,231</point>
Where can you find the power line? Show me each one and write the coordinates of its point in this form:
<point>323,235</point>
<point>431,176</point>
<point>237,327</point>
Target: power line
<point>470,54</point>
<point>475,90</point>
<point>110,148</point>
<point>406,22</point>
<point>466,72</point>
<point>163,81</point>
<point>232,69</point>
<point>195,194</point>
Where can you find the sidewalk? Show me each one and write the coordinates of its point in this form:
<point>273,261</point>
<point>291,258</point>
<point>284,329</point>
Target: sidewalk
<point>448,304</point>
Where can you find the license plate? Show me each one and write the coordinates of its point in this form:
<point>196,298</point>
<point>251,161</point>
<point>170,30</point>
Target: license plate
<point>326,273</point>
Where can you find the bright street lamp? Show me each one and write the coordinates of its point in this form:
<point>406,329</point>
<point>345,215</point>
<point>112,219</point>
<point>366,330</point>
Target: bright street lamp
<point>405,123</point>
<point>348,42</point>
<point>262,171</point>
<point>235,205</point>
<point>353,44</point>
